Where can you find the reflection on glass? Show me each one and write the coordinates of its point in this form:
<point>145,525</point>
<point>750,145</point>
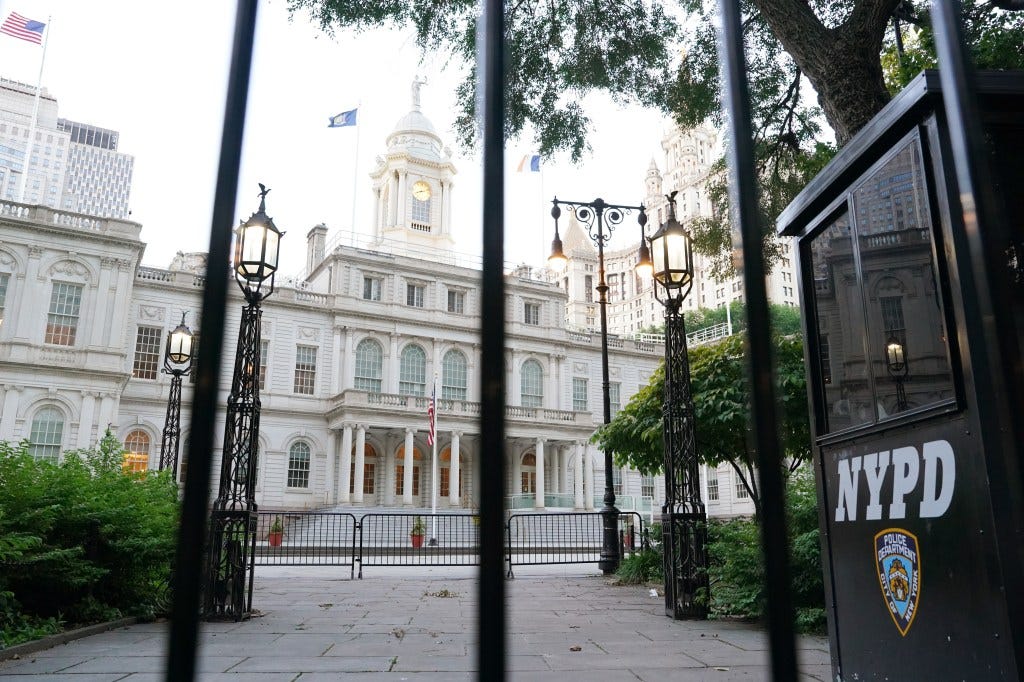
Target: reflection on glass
<point>906,333</point>
<point>840,316</point>
<point>882,342</point>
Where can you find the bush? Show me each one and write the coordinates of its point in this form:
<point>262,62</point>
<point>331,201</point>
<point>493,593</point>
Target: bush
<point>82,540</point>
<point>641,567</point>
<point>736,569</point>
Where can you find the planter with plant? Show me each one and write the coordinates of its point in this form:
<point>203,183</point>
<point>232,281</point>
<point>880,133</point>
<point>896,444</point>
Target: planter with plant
<point>418,530</point>
<point>276,534</point>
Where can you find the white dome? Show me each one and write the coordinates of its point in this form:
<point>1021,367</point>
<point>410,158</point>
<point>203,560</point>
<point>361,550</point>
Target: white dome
<point>416,133</point>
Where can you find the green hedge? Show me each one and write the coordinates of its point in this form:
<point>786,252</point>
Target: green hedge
<point>81,541</point>
<point>736,570</point>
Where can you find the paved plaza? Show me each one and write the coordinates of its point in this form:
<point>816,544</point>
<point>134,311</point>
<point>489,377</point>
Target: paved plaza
<point>566,624</point>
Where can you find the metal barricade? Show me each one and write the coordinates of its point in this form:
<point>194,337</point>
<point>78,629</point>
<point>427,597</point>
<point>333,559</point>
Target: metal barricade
<point>565,538</point>
<point>448,539</point>
<point>306,539</point>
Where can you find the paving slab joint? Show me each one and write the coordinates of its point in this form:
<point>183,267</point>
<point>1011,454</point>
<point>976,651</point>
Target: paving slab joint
<point>20,650</point>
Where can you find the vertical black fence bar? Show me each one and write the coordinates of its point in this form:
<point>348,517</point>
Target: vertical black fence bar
<point>181,659</point>
<point>743,195</point>
<point>490,663</point>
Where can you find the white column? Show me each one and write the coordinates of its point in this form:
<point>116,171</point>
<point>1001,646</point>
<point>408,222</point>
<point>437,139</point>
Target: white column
<point>338,362</point>
<point>389,471</point>
<point>376,212</point>
<point>100,324</point>
<point>332,466</point>
<point>347,362</point>
<point>34,296</point>
<point>555,395</point>
<point>401,197</point>
<point>407,472</point>
<point>577,472</point>
<point>124,285</point>
<point>453,471</point>
<point>85,419</point>
<point>517,475</point>
<point>106,414</point>
<point>588,478</point>
<point>357,492</point>
<point>556,463</point>
<point>393,365</point>
<point>539,496</point>
<point>446,219</point>
<point>10,411</point>
<point>346,465</point>
<point>512,374</point>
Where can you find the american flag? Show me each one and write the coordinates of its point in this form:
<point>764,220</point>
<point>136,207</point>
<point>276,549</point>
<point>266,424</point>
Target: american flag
<point>431,417</point>
<point>21,27</point>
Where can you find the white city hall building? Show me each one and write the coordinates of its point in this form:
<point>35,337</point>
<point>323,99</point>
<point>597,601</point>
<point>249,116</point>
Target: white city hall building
<point>350,351</point>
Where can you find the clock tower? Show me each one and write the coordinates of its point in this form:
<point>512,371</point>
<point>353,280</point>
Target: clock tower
<point>412,184</point>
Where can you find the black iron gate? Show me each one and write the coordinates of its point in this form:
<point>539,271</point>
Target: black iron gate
<point>971,176</point>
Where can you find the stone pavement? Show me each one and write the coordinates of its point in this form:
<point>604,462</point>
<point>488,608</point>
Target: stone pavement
<point>566,624</point>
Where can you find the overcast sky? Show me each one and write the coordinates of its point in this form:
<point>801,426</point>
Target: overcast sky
<point>157,72</point>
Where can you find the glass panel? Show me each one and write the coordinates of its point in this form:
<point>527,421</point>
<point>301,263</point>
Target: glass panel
<point>901,296</point>
<point>369,366</point>
<point>412,379</point>
<point>298,465</point>
<point>453,376</point>
<point>531,390</point>
<point>840,315</point>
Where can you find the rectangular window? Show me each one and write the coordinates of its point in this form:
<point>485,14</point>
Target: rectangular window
<point>264,359</point>
<point>400,479</point>
<point>741,489</point>
<point>371,288</point>
<point>4,278</point>
<point>368,471</point>
<point>414,295</point>
<point>147,352</point>
<point>62,321</point>
<point>617,480</point>
<point>647,486</point>
<point>712,484</point>
<point>614,400</point>
<point>456,302</point>
<point>305,370</point>
<point>579,394</point>
<point>531,313</point>
<point>588,288</point>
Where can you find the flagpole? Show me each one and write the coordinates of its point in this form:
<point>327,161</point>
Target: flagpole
<point>433,469</point>
<point>355,169</point>
<point>543,247</point>
<point>35,115</point>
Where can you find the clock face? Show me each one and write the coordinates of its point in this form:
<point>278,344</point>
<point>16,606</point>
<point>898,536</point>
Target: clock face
<point>421,190</point>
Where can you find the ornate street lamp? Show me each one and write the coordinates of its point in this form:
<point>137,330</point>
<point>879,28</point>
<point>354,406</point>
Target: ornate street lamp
<point>178,363</point>
<point>683,517</point>
<point>896,365</point>
<point>595,216</point>
<point>228,584</point>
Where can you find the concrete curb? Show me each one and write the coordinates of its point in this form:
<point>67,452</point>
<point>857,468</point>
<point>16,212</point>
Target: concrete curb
<point>19,650</point>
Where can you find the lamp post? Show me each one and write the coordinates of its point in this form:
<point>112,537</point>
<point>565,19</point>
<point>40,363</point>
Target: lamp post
<point>228,583</point>
<point>896,365</point>
<point>683,517</point>
<point>595,216</point>
<point>178,363</point>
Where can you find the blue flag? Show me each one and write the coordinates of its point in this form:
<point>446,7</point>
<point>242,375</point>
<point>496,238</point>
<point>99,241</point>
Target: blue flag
<point>529,164</point>
<point>345,118</point>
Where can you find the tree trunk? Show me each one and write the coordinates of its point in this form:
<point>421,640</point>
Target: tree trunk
<point>842,63</point>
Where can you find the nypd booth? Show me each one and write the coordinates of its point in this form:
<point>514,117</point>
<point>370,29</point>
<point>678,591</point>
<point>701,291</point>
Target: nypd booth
<point>914,326</point>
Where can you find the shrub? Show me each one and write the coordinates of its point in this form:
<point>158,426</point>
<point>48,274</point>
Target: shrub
<point>641,567</point>
<point>83,540</point>
<point>736,569</point>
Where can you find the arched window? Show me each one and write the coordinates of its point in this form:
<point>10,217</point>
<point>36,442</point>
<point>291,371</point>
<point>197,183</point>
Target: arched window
<point>528,472</point>
<point>47,434</point>
<point>369,366</point>
<point>453,376</point>
<point>298,465</point>
<point>137,444</point>
<point>531,383</point>
<point>412,377</point>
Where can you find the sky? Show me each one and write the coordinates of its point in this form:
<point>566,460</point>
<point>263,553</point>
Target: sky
<point>157,73</point>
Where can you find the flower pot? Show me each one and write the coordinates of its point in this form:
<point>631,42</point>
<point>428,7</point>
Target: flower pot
<point>274,539</point>
<point>417,540</point>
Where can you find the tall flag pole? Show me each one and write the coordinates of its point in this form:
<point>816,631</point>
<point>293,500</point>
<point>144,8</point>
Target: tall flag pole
<point>531,163</point>
<point>32,31</point>
<point>432,441</point>
<point>348,119</point>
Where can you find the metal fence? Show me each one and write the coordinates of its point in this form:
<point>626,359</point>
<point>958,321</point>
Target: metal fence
<point>304,538</point>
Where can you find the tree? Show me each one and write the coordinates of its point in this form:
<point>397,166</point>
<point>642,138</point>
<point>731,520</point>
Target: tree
<point>721,398</point>
<point>662,53</point>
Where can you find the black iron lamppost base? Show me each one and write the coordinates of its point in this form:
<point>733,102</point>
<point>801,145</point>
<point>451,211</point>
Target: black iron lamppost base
<point>684,543</point>
<point>609,562</point>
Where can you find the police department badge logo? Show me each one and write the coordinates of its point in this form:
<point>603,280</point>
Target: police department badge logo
<point>898,560</point>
